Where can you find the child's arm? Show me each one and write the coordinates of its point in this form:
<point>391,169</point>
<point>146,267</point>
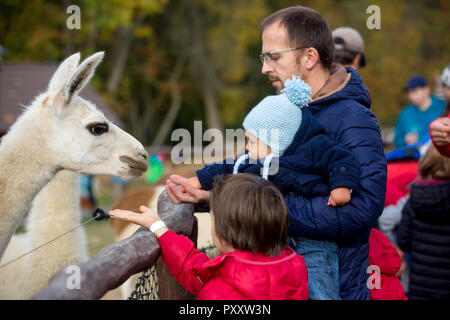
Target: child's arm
<point>319,166</point>
<point>336,162</point>
<point>208,172</point>
<point>177,251</point>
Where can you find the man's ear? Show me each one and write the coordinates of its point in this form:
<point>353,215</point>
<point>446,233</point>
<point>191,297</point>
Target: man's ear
<point>355,61</point>
<point>311,58</point>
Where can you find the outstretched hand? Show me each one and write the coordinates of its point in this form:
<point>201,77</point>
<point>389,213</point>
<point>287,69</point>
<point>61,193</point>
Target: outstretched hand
<point>146,218</point>
<point>189,191</point>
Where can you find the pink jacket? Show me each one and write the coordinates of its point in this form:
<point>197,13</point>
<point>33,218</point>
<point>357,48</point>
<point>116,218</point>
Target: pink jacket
<point>236,275</point>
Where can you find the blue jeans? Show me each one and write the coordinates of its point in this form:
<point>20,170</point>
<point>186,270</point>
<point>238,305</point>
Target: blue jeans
<point>322,262</point>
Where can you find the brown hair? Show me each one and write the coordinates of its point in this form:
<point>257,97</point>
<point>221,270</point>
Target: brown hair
<point>305,27</point>
<point>433,165</point>
<point>250,213</point>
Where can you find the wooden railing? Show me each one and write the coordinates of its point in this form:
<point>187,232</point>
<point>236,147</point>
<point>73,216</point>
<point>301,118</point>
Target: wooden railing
<point>115,263</point>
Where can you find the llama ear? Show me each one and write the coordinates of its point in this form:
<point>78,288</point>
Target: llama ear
<point>81,76</point>
<point>65,69</point>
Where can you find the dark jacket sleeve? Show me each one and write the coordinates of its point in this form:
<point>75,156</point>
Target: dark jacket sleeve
<point>326,159</point>
<point>208,172</point>
<point>404,228</point>
<point>314,219</point>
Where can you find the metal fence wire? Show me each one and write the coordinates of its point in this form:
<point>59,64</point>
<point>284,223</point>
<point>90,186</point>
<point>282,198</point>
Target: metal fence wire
<point>146,287</point>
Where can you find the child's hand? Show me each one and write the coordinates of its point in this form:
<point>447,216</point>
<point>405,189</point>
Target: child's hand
<point>145,219</point>
<point>193,182</point>
<point>339,197</point>
<point>185,193</point>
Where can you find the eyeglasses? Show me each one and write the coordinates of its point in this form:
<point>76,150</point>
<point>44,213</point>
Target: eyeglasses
<point>267,56</point>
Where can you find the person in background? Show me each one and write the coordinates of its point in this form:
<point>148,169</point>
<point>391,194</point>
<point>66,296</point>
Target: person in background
<point>348,48</point>
<point>440,128</point>
<point>249,228</point>
<point>414,120</point>
<point>424,230</point>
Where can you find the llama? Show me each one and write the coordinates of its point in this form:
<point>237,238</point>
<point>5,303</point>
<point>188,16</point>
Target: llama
<point>60,130</point>
<point>55,210</point>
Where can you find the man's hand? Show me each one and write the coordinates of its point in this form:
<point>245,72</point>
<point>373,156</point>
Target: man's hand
<point>188,191</point>
<point>440,131</point>
<point>339,197</point>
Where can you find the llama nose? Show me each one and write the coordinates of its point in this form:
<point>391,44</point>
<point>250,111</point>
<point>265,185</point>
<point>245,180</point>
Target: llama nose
<point>143,154</point>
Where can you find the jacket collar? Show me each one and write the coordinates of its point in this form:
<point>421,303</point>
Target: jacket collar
<point>337,80</point>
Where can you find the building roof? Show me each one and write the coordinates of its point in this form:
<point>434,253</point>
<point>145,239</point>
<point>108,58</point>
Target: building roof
<point>21,82</point>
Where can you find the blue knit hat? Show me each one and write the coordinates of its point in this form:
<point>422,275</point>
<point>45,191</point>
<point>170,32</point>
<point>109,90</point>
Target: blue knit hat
<point>280,114</point>
<point>276,119</point>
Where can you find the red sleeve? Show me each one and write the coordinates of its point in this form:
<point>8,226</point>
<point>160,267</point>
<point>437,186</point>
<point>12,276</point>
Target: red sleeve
<point>445,149</point>
<point>382,253</point>
<point>182,259</point>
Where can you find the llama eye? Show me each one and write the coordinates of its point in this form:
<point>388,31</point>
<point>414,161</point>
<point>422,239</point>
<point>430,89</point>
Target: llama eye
<point>98,129</point>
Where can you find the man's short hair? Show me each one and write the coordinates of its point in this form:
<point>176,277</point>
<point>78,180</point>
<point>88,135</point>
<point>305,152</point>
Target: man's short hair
<point>305,27</point>
<point>250,213</point>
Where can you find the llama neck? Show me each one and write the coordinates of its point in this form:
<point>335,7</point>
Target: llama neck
<point>26,166</point>
<point>55,209</point>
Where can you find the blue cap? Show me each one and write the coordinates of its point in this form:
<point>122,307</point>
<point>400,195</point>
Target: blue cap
<point>416,82</point>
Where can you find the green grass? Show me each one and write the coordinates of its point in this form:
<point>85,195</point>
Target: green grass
<point>99,234</point>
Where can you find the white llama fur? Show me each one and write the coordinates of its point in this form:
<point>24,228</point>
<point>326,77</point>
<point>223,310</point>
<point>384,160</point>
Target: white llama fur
<point>54,134</point>
<point>55,210</point>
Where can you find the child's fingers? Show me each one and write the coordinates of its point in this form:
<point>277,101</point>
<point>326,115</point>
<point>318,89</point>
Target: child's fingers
<point>143,208</point>
<point>122,214</point>
<point>330,201</point>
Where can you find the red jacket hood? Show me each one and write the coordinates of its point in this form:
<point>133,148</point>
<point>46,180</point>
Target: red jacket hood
<point>383,254</point>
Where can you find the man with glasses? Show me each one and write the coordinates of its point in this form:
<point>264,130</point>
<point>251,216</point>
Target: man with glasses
<point>298,41</point>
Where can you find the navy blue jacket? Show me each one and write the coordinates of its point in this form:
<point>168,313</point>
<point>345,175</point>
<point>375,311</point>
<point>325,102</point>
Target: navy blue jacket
<point>346,117</point>
<point>312,165</point>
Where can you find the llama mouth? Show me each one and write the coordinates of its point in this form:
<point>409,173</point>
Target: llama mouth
<point>136,167</point>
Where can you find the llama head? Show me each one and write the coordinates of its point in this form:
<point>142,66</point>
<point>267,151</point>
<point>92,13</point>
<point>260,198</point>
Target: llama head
<point>79,136</point>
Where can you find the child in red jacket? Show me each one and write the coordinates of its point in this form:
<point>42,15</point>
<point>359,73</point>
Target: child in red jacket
<point>383,255</point>
<point>249,228</point>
